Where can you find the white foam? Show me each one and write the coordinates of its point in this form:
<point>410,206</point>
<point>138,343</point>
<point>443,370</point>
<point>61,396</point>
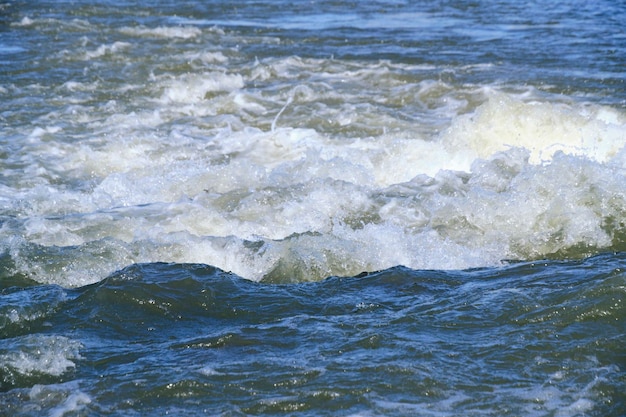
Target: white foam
<point>182,32</point>
<point>306,168</point>
<point>207,57</point>
<point>57,399</point>
<point>38,354</point>
<point>209,371</point>
<point>74,402</point>
<point>542,128</point>
<point>194,88</point>
<point>25,21</point>
<point>102,50</point>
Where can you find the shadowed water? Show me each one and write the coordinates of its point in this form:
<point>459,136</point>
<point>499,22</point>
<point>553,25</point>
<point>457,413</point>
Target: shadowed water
<point>527,339</point>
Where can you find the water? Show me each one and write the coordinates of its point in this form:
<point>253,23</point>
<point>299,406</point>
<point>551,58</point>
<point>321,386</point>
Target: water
<point>321,208</point>
<point>152,339</point>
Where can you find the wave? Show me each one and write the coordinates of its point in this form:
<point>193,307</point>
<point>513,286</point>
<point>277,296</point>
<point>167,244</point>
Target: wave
<point>292,168</point>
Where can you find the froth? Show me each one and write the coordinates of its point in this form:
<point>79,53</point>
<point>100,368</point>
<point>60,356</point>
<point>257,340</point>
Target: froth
<point>186,32</point>
<point>102,50</point>
<point>297,169</point>
<point>542,128</point>
<point>195,88</point>
<point>51,355</point>
<point>56,400</point>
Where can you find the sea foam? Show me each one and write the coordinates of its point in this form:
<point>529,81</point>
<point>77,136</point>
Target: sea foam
<point>38,354</point>
<point>298,169</point>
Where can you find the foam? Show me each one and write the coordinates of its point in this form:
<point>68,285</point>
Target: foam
<point>194,88</point>
<point>315,217</point>
<point>58,399</point>
<point>209,371</point>
<point>113,49</point>
<point>25,21</point>
<point>304,168</point>
<point>74,402</point>
<point>38,354</point>
<point>542,128</point>
<point>183,32</point>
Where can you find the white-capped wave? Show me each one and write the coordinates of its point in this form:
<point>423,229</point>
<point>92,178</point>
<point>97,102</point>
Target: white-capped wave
<point>540,127</point>
<point>293,168</point>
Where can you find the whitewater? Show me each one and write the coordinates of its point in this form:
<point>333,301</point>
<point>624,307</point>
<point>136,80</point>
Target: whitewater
<point>316,207</point>
<point>294,168</point>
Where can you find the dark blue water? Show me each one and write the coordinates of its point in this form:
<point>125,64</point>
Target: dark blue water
<point>377,208</point>
<point>527,339</point>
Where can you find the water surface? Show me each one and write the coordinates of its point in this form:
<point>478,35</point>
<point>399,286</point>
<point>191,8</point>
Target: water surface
<point>321,208</point>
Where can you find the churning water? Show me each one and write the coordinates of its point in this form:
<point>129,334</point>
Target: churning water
<point>313,208</point>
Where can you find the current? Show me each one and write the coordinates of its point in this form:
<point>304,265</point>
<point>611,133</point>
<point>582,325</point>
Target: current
<point>376,208</point>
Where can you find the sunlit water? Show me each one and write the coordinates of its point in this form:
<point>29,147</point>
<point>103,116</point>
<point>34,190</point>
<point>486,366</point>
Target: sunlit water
<point>321,208</point>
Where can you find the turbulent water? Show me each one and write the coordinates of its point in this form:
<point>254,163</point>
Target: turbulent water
<point>377,208</point>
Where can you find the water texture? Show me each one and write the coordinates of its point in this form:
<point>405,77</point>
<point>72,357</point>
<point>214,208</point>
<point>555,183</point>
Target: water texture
<point>313,208</point>
<point>528,339</point>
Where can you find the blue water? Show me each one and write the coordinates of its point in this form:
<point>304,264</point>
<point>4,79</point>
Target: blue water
<point>153,339</point>
<point>377,208</point>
